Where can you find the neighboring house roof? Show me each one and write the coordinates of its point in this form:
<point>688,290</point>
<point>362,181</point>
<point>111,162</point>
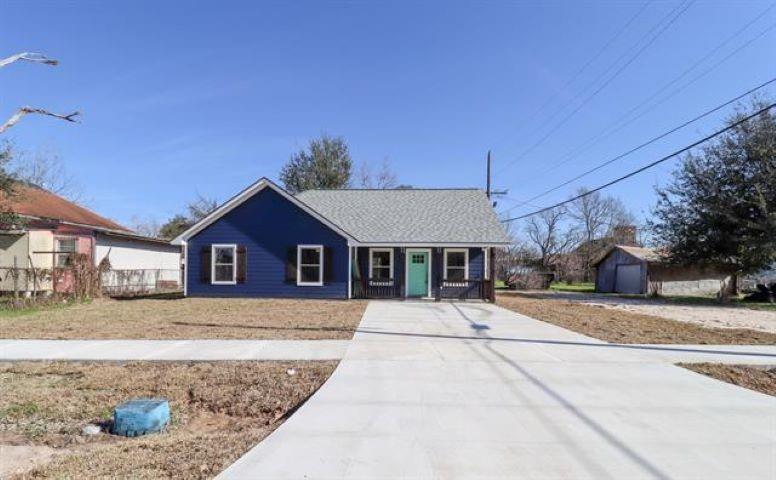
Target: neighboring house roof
<point>411,216</point>
<point>38,203</point>
<point>417,216</point>
<point>646,254</point>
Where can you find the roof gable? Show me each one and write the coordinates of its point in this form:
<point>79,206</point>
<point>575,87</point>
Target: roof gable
<point>242,197</point>
<point>639,253</point>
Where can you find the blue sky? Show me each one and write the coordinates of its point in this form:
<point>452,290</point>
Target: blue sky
<point>186,97</point>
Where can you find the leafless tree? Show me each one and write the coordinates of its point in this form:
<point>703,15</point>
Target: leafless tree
<point>201,207</point>
<point>44,169</point>
<point>16,117</point>
<point>28,57</point>
<point>595,216</point>
<point>384,178</point>
<point>545,232</point>
<point>148,227</point>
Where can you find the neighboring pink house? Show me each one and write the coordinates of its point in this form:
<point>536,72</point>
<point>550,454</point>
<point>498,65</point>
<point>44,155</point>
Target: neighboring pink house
<point>53,229</point>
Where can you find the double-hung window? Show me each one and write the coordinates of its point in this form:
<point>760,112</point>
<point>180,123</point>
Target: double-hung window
<point>381,266</point>
<point>65,248</point>
<point>309,265</point>
<point>456,265</point>
<point>224,264</point>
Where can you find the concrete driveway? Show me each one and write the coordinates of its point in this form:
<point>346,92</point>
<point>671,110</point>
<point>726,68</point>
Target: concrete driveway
<point>439,390</point>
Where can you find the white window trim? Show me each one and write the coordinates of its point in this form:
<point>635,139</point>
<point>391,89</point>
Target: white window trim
<point>390,264</point>
<point>299,281</point>
<point>465,262</point>
<point>213,248</point>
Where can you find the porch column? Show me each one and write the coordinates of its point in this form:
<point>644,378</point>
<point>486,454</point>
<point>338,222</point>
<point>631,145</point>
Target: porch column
<point>350,272</point>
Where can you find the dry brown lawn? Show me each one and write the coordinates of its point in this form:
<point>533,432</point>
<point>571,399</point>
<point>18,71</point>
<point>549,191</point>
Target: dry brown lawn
<point>619,326</point>
<point>219,410</point>
<point>754,377</point>
<point>190,318</point>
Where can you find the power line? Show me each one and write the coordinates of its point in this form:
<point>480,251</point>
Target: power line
<point>648,142</point>
<point>605,134</point>
<point>676,14</point>
<point>647,166</point>
<point>590,142</point>
<point>587,64</point>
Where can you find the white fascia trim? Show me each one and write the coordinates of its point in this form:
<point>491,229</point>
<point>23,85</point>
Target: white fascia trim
<point>390,261</point>
<point>300,283</point>
<point>213,280</point>
<point>465,251</point>
<point>241,197</point>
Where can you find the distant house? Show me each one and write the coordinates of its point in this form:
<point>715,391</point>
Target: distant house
<point>51,230</point>
<point>636,270</point>
<point>265,242</point>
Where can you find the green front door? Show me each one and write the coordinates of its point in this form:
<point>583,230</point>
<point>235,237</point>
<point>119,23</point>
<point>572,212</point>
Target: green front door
<point>417,274</point>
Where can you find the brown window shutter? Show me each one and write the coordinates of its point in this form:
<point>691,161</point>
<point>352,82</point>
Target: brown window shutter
<point>204,268</point>
<point>291,264</point>
<point>328,264</point>
<point>242,263</point>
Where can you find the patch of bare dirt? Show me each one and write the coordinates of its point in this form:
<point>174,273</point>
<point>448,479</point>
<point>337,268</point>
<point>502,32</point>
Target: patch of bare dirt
<point>20,458</point>
<point>191,318</point>
<point>618,326</point>
<point>701,311</point>
<point>754,377</point>
<point>219,410</point>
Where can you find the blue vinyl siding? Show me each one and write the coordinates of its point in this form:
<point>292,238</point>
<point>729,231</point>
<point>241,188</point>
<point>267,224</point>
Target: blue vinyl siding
<point>268,224</point>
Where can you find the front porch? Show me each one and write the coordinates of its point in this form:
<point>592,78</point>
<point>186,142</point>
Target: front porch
<point>430,272</point>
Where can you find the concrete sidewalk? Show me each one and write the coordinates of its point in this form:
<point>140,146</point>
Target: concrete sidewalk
<point>172,349</point>
<point>13,350</point>
<point>475,391</point>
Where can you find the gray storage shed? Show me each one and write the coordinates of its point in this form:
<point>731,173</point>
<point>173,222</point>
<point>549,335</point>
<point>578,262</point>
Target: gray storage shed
<point>637,270</point>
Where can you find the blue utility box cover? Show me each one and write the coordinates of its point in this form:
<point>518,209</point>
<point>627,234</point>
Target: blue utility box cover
<point>141,416</point>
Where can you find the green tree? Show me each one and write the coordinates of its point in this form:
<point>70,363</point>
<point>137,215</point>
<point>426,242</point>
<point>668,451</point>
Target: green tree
<point>198,208</point>
<point>174,227</point>
<point>325,164</point>
<point>720,208</point>
<point>7,183</point>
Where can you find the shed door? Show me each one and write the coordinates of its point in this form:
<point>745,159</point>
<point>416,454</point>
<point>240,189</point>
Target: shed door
<point>628,279</point>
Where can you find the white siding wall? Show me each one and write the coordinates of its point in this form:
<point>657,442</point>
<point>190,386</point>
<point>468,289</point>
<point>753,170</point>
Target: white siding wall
<point>127,254</point>
<point>137,265</point>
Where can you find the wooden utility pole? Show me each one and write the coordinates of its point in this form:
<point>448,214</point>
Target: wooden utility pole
<point>487,189</point>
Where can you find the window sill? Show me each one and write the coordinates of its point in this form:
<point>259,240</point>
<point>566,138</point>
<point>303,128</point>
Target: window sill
<point>309,284</point>
<point>223,283</point>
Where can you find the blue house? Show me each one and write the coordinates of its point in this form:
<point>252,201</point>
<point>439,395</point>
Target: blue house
<point>265,242</point>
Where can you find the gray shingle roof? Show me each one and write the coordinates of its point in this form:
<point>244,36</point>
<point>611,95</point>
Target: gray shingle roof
<point>410,216</point>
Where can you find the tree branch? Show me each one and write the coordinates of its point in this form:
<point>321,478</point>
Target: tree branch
<point>26,110</point>
<point>29,57</point>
